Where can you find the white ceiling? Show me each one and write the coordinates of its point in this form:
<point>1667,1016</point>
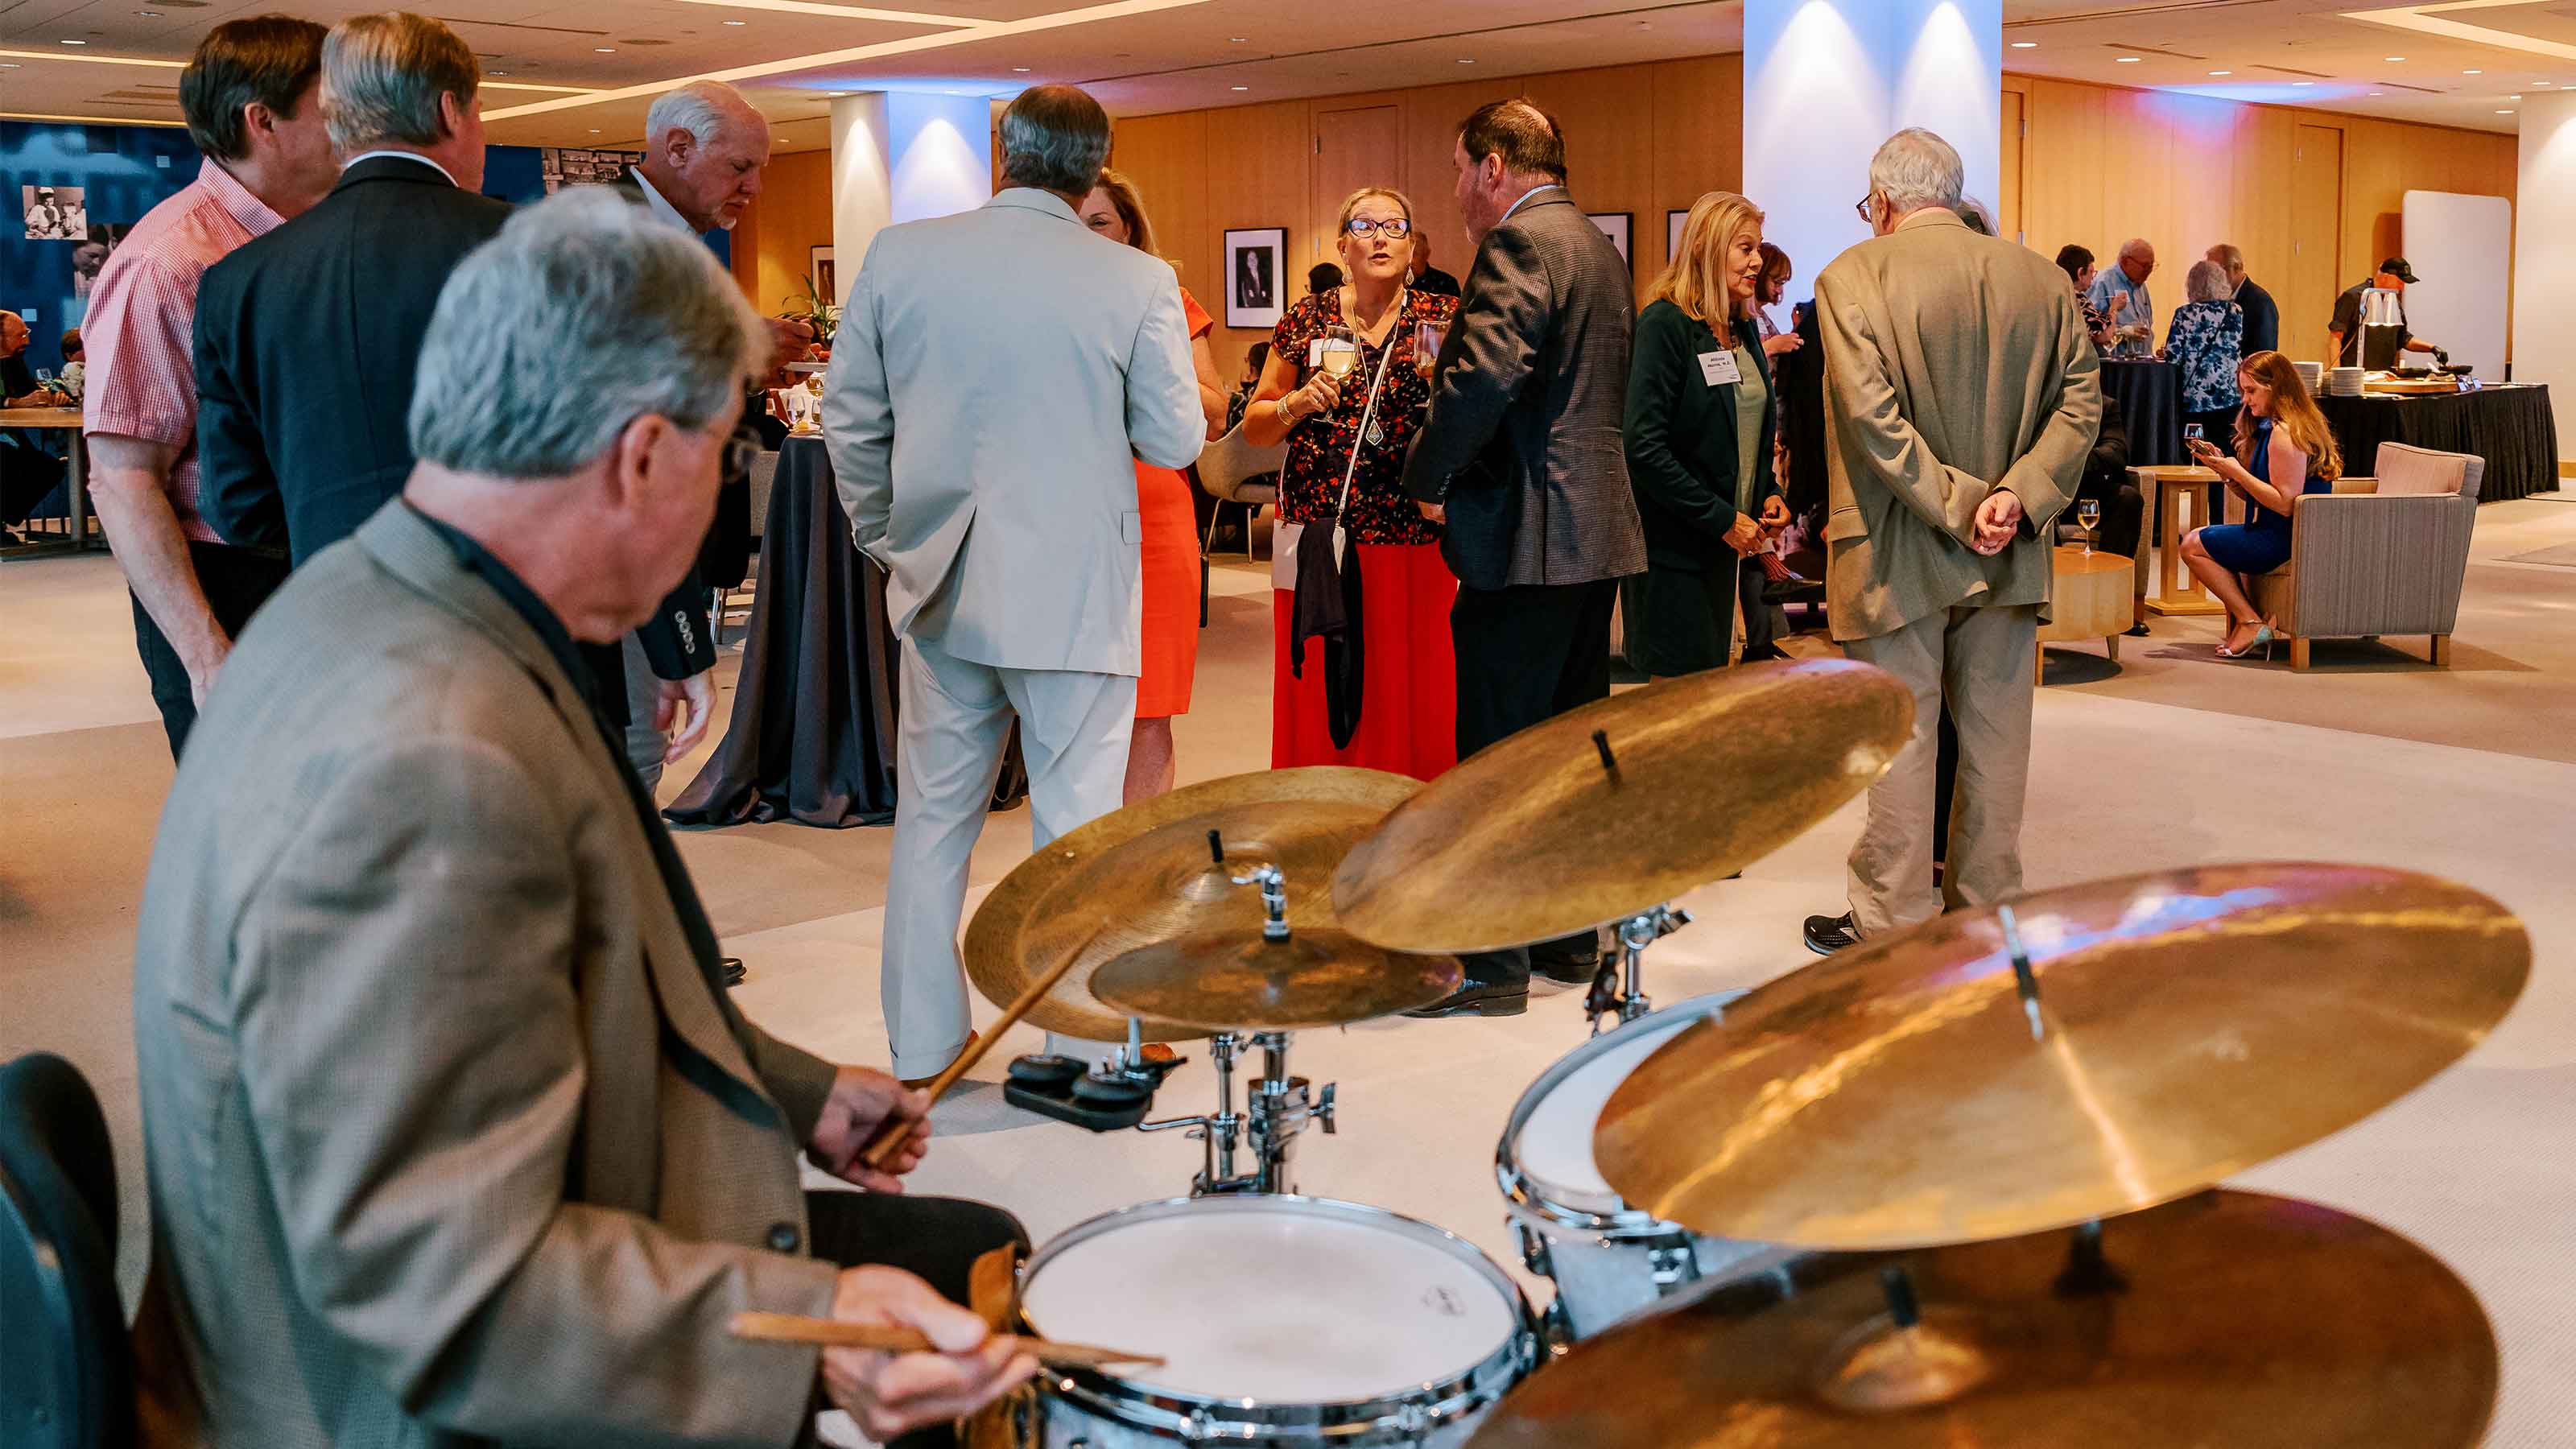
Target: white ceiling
<point>1145,56</point>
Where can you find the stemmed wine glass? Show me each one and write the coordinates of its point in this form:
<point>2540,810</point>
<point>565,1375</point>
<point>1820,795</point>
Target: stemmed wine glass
<point>1341,354</point>
<point>2088,512</point>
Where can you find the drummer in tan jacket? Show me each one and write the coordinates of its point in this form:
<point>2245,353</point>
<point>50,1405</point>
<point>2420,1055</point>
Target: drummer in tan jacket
<point>1962,397</point>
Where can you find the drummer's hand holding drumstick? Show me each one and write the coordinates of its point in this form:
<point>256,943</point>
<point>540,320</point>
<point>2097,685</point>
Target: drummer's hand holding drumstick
<point>863,1102</point>
<point>888,1394</point>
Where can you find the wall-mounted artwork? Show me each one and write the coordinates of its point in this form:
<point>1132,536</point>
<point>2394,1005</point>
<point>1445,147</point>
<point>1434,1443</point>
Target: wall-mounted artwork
<point>55,213</point>
<point>1615,225</point>
<point>1254,288</point>
<point>826,276</point>
<point>1673,233</point>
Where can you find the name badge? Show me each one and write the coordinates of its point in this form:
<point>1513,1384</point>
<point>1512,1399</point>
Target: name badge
<point>1719,368</point>
<point>1315,352</point>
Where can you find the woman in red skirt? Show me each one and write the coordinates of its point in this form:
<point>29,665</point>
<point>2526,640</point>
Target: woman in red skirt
<point>1387,334</point>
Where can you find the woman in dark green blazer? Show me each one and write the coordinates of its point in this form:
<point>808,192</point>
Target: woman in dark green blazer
<point>1701,415</point>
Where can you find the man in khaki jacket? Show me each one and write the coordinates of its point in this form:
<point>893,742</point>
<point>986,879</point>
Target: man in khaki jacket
<point>1961,400</point>
<point>452,1134</point>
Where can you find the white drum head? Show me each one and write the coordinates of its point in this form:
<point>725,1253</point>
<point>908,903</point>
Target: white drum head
<point>1554,1150</point>
<point>1297,1304</point>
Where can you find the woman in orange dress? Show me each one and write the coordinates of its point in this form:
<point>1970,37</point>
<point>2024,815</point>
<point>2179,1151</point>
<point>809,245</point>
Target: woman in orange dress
<point>1170,520</point>
<point>1407,701</point>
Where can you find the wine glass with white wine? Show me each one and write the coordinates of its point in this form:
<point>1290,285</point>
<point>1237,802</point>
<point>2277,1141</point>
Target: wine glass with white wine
<point>1341,352</point>
<point>2088,513</point>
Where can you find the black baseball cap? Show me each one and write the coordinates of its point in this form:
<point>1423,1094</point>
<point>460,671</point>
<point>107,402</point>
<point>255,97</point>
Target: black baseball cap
<point>2396,267</point>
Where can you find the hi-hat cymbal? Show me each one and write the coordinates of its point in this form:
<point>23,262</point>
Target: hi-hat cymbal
<point>2229,1318</point>
<point>2190,1024</point>
<point>1236,980</point>
<point>1537,837</point>
<point>1144,875</point>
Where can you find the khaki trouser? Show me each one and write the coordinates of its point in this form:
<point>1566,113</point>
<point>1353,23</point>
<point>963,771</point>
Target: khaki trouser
<point>1978,660</point>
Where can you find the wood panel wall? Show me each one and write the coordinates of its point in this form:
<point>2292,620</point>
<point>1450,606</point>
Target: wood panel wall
<point>773,241</point>
<point>2101,164</point>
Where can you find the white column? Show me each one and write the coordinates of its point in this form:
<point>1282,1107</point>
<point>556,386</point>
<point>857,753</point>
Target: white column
<point>2544,257</point>
<point>902,156</point>
<point>1826,81</point>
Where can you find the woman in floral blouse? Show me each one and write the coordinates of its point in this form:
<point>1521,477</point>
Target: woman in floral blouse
<point>1409,703</point>
<point>2206,343</point>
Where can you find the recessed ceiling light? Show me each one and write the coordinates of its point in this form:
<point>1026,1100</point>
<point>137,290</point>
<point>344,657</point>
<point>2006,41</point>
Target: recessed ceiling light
<point>1019,70</point>
<point>737,22</point>
<point>594,130</point>
<point>2303,83</point>
<point>2513,98</point>
<point>605,49</point>
<point>2125,60</point>
<point>1463,60</point>
<point>75,42</point>
<point>496,72</point>
<point>2473,72</point>
<point>2222,72</point>
<point>2379,93</point>
<point>2392,59</point>
<point>1243,88</point>
<point>149,14</point>
<point>2025,45</point>
<point>2504,113</point>
<point>1237,39</point>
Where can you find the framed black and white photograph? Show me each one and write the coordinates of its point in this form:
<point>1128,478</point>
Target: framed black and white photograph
<point>826,276</point>
<point>1673,233</point>
<point>1614,225</point>
<point>55,213</point>
<point>1254,287</point>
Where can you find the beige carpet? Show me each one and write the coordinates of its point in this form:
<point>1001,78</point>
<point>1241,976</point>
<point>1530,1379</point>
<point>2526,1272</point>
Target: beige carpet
<point>2172,758</point>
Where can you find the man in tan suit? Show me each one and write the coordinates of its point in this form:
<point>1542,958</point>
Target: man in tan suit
<point>453,1136</point>
<point>1961,399</point>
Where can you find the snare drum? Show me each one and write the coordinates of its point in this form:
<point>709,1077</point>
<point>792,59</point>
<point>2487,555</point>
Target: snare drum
<point>1607,1259</point>
<point>1289,1322</point>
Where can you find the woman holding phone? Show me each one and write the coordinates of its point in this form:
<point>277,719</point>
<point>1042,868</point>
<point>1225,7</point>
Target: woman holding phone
<point>1700,422</point>
<point>1167,508</point>
<point>2283,449</point>
<point>1346,386</point>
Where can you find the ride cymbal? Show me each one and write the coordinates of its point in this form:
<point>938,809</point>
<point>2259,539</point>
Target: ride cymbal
<point>2229,1318</point>
<point>2189,1024</point>
<point>1144,875</point>
<point>1554,831</point>
<point>1236,980</point>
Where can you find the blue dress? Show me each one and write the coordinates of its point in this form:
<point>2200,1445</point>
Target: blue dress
<point>2261,543</point>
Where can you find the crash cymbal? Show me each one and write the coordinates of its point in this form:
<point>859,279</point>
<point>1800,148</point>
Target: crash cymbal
<point>1236,980</point>
<point>2229,1318</point>
<point>1144,875</point>
<point>1537,837</point>
<point>2189,1024</point>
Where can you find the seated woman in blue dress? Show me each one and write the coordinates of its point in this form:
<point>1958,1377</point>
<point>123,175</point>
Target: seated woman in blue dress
<point>2279,435</point>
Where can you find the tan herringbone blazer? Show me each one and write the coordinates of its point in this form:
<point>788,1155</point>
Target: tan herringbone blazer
<point>450,1140</point>
<point>1954,364</point>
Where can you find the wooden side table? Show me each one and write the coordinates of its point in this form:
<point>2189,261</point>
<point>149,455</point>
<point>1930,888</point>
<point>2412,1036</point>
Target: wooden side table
<point>2181,592</point>
<point>76,476</point>
<point>2090,599</point>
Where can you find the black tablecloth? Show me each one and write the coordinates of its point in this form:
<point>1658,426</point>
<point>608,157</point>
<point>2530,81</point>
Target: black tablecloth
<point>2150,395</point>
<point>813,732</point>
<point>2510,426</point>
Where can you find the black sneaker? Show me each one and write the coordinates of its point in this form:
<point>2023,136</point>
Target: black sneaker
<point>1828,934</point>
<point>1480,998</point>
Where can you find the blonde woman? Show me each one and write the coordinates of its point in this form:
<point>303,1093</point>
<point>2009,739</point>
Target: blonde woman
<point>2280,436</point>
<point>1401,713</point>
<point>1700,422</point>
<point>1169,512</point>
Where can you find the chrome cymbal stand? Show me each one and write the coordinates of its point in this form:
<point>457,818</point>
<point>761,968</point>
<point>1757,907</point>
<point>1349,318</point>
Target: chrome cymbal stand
<point>1620,988</point>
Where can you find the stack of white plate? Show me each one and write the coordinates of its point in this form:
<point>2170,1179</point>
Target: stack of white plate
<point>2344,382</point>
<point>2310,373</point>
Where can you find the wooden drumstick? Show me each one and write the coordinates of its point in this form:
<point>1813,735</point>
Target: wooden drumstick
<point>891,1139</point>
<point>833,1333</point>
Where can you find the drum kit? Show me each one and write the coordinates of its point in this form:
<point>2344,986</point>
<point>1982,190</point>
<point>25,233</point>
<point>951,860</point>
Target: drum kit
<point>1956,1185</point>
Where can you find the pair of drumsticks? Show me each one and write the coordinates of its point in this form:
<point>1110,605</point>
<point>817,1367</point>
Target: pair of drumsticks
<point>793,1328</point>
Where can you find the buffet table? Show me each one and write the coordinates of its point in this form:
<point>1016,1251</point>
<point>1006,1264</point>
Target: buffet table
<point>813,731</point>
<point>2508,424</point>
<point>2150,395</point>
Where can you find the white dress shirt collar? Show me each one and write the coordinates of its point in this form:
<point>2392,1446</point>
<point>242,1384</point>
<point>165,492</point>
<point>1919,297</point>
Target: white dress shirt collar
<point>407,156</point>
<point>1526,195</point>
<point>660,204</point>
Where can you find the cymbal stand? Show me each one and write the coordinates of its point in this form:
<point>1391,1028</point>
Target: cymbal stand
<point>1277,1107</point>
<point>1620,987</point>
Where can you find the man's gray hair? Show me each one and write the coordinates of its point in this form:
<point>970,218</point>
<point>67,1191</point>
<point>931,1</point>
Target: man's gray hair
<point>1915,169</point>
<point>2135,246</point>
<point>383,75</point>
<point>584,314</point>
<point>701,108</point>
<point>2205,282</point>
<point>1055,138</point>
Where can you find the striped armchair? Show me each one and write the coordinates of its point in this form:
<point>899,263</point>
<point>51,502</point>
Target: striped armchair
<point>2383,555</point>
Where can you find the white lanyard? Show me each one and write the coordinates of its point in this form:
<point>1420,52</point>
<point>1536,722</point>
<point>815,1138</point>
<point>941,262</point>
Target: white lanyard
<point>1368,414</point>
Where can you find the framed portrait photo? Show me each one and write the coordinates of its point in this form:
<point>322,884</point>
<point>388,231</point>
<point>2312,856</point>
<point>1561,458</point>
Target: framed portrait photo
<point>1673,233</point>
<point>1256,292</point>
<point>1615,225</point>
<point>826,276</point>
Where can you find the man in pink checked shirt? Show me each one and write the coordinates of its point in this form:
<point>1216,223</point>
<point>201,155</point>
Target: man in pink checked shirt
<point>251,96</point>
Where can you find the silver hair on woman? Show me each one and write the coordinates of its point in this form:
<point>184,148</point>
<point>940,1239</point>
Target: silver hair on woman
<point>2205,282</point>
<point>583,315</point>
<point>700,108</point>
<point>1915,169</point>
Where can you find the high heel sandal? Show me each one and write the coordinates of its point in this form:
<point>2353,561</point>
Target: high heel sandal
<point>2263,639</point>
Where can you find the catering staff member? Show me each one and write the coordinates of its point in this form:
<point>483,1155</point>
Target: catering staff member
<point>2375,348</point>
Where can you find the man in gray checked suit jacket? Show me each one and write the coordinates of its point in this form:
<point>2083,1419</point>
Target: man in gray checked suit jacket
<point>1523,460</point>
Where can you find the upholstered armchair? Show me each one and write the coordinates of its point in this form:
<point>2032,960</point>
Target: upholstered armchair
<point>2383,555</point>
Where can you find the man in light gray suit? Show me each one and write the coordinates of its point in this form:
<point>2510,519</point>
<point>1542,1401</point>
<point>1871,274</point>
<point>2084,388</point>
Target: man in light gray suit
<point>1523,460</point>
<point>1961,400</point>
<point>454,1137</point>
<point>995,378</point>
